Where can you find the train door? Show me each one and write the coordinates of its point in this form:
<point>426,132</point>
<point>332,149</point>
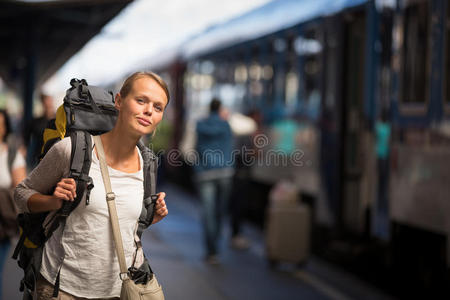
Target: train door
<point>344,142</point>
<point>330,141</point>
<point>354,166</point>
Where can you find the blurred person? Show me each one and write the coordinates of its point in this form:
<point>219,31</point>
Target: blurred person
<point>225,114</point>
<point>90,267</point>
<point>244,129</point>
<point>12,171</point>
<point>214,172</point>
<point>285,131</point>
<point>382,138</point>
<point>34,129</point>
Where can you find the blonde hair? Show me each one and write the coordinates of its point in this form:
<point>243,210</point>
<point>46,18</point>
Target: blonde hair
<point>128,83</point>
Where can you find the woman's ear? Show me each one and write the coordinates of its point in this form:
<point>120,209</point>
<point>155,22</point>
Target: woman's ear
<point>117,101</point>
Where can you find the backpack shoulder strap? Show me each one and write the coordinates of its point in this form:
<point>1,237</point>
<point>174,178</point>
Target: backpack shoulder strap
<point>80,164</point>
<point>81,159</point>
<point>149,169</point>
<point>77,139</point>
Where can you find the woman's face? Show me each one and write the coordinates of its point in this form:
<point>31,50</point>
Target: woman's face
<point>143,108</point>
<point>2,127</point>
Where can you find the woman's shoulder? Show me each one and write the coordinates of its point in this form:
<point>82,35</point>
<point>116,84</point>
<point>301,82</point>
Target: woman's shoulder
<point>57,158</point>
<point>64,143</point>
<point>62,147</point>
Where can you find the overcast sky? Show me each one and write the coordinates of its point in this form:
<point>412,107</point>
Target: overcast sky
<point>143,29</point>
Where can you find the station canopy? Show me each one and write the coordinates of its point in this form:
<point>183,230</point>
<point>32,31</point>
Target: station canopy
<point>38,37</point>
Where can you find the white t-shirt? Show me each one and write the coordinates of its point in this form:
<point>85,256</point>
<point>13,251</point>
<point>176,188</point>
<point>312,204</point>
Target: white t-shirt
<point>5,176</point>
<point>85,248</point>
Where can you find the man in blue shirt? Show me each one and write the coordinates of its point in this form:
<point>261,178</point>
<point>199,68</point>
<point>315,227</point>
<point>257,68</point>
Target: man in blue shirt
<point>214,171</point>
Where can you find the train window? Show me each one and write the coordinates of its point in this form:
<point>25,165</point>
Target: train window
<point>280,53</point>
<point>291,89</point>
<point>240,73</point>
<point>415,54</point>
<point>255,75</point>
<point>255,71</point>
<point>308,47</point>
<point>292,78</point>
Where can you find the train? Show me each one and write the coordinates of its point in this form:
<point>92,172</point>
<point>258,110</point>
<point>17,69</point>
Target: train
<point>349,72</point>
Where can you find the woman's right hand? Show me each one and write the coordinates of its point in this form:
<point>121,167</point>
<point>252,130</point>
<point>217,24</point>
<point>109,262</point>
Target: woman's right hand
<point>65,191</point>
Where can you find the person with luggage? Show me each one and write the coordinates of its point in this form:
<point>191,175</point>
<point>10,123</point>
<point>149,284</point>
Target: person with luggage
<point>79,260</point>
<point>244,143</point>
<point>214,173</point>
<point>12,171</point>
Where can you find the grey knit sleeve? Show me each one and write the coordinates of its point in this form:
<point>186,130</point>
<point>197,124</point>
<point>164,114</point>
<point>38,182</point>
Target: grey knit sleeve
<point>43,179</point>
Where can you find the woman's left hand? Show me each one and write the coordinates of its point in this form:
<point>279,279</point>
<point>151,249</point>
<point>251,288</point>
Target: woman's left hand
<point>160,208</point>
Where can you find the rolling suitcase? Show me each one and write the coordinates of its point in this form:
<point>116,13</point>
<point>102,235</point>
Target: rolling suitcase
<point>288,234</point>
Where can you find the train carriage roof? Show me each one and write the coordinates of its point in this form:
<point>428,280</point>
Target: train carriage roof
<point>272,17</point>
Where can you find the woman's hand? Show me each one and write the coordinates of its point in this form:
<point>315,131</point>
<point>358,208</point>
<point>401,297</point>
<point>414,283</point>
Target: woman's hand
<point>160,208</point>
<point>66,190</point>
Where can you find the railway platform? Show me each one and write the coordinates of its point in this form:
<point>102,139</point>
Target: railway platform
<point>175,250</point>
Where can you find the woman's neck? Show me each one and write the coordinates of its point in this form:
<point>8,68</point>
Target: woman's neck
<point>119,145</point>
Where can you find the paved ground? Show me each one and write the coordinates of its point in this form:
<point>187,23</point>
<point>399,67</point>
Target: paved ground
<point>174,248</point>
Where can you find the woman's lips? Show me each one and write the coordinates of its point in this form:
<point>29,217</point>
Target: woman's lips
<point>144,122</point>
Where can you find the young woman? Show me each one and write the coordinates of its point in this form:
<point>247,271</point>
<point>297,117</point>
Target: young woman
<point>12,171</point>
<point>84,252</point>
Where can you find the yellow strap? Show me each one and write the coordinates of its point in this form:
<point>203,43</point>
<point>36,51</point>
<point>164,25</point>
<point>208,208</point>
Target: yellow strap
<point>27,243</point>
<point>60,124</point>
<point>61,121</point>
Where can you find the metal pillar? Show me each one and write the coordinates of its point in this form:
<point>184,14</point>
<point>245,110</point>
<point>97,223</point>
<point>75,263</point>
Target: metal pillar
<point>30,72</point>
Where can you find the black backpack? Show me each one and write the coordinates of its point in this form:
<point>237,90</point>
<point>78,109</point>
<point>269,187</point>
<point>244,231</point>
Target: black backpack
<point>87,110</point>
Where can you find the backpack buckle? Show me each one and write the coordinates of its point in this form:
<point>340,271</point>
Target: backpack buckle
<point>75,174</point>
<point>110,196</point>
<point>154,197</point>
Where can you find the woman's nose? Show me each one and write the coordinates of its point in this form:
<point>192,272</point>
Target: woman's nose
<point>149,109</point>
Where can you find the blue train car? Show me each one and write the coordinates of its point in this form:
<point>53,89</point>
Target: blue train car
<point>416,87</point>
